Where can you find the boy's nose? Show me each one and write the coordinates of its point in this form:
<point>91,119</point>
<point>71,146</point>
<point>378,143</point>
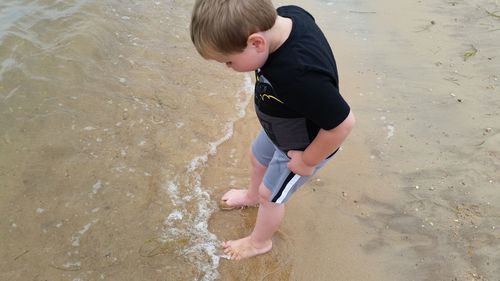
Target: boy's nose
<point>228,64</point>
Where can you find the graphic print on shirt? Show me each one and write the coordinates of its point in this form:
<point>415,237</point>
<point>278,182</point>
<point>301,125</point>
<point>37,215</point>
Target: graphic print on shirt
<point>264,94</point>
<point>284,127</point>
<point>264,89</point>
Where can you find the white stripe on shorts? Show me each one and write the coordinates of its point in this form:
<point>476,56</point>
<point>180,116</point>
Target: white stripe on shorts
<point>288,188</point>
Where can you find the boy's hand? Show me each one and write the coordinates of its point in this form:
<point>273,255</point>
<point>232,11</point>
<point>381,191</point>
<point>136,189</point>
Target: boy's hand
<point>298,166</point>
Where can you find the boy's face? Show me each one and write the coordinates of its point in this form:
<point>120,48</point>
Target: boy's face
<point>251,58</point>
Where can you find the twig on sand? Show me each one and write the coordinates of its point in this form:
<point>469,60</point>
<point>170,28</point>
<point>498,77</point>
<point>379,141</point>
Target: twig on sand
<point>452,80</point>
<point>153,247</point>
<point>22,254</point>
<point>74,268</point>
<point>493,14</point>
<point>470,53</point>
<point>362,12</point>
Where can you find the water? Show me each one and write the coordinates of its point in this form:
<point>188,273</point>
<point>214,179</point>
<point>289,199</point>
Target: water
<point>104,137</point>
<point>108,118</point>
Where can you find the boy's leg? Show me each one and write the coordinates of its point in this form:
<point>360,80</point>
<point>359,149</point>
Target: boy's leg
<point>249,197</point>
<point>269,218</point>
<point>282,184</point>
<point>246,197</point>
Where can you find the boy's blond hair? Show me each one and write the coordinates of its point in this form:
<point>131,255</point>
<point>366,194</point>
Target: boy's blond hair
<point>223,26</point>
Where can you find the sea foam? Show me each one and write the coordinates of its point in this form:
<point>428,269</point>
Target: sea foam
<point>183,224</point>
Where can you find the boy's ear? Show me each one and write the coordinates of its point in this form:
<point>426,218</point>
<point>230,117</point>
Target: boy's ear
<point>258,41</point>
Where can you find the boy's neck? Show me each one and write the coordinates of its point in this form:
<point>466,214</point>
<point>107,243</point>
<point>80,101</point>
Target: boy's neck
<point>278,34</point>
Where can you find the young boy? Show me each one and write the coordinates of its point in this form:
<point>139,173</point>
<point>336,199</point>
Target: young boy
<point>297,101</point>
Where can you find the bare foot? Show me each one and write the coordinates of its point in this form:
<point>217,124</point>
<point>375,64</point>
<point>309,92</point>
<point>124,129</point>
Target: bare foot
<point>237,198</point>
<point>244,248</point>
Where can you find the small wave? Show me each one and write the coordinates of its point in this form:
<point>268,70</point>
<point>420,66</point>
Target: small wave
<point>181,224</point>
<point>27,15</point>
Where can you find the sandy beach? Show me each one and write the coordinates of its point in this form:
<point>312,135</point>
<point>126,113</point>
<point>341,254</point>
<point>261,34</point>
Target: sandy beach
<point>414,194</point>
<point>117,141</point>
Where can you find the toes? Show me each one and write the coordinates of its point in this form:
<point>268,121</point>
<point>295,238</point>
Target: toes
<point>235,257</point>
<point>230,252</point>
<point>227,245</point>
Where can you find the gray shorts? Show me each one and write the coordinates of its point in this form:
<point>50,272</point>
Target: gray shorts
<point>278,178</point>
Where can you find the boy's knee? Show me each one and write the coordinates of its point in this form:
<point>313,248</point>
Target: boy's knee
<point>264,194</point>
<point>255,163</point>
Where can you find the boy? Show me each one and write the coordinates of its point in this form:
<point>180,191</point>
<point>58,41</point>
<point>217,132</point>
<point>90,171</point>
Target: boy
<point>303,116</point>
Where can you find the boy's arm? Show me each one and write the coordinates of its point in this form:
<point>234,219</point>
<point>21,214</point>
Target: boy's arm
<point>324,144</point>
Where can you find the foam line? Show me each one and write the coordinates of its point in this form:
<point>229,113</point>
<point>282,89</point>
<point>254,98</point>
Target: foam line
<point>201,241</point>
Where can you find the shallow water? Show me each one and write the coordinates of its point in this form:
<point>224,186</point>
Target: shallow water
<point>113,133</point>
<point>107,116</point>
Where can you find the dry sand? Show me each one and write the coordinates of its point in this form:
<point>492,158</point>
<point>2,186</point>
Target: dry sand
<point>414,194</point>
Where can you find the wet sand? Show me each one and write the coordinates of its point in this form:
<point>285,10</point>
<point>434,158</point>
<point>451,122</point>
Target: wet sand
<point>101,129</point>
<point>414,194</point>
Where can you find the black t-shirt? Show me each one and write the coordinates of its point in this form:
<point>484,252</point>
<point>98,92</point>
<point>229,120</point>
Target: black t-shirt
<point>296,91</point>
